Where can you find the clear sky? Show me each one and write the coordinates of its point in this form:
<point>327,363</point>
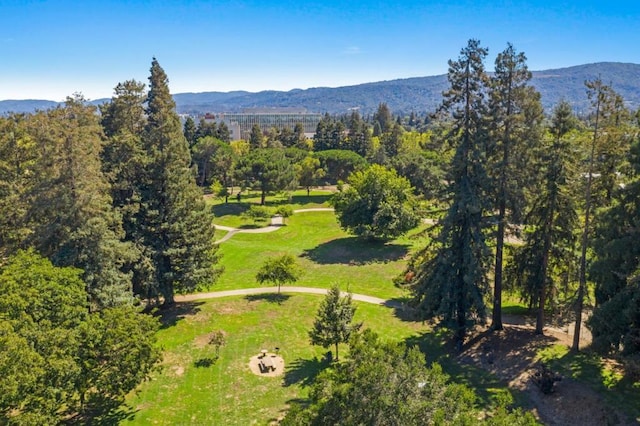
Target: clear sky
<point>51,49</point>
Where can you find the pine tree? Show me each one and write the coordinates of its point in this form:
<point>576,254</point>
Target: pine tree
<point>452,282</point>
<point>516,115</point>
<point>334,321</point>
<point>176,229</point>
<point>605,101</point>
<point>256,138</point>
<point>190,131</point>
<point>615,323</point>
<point>553,217</point>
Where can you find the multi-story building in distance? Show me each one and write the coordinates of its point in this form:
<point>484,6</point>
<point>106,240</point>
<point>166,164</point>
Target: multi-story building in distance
<point>240,124</point>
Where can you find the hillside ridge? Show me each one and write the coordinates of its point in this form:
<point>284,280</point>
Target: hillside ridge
<point>419,94</point>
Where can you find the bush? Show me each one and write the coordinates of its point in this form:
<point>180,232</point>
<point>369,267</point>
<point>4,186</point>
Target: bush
<point>259,213</point>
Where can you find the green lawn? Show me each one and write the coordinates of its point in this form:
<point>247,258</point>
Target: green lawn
<point>186,392</point>
<point>326,254</point>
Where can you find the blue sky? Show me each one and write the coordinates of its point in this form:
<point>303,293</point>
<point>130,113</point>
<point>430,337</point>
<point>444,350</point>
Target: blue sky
<point>51,49</point>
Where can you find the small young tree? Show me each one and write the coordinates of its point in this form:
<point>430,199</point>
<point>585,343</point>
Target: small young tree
<point>279,270</point>
<point>333,324</point>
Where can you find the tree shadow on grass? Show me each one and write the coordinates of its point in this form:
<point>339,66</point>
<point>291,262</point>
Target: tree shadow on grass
<point>304,371</point>
<point>170,316</point>
<point>402,309</point>
<point>303,199</point>
<point>356,251</point>
<point>232,208</point>
<point>205,362</point>
<point>278,298</point>
<point>111,417</point>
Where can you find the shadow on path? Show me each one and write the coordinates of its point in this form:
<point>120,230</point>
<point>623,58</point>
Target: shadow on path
<point>278,298</point>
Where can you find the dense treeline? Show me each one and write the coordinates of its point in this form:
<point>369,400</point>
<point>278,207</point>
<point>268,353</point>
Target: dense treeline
<point>107,207</point>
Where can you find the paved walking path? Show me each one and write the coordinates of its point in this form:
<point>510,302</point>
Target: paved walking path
<point>276,223</point>
<point>285,289</point>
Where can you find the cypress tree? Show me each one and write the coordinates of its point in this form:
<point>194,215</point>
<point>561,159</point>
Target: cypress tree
<point>175,227</point>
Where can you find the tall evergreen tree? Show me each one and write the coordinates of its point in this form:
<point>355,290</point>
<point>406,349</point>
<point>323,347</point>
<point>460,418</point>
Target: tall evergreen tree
<point>516,115</point>
<point>615,323</point>
<point>18,156</point>
<point>256,138</point>
<point>605,102</point>
<point>334,321</point>
<point>176,228</point>
<point>549,245</point>
<point>72,216</point>
<point>452,282</point>
<point>190,131</point>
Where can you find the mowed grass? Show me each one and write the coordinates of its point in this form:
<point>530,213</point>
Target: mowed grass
<point>186,391</point>
<point>325,253</point>
<point>190,390</point>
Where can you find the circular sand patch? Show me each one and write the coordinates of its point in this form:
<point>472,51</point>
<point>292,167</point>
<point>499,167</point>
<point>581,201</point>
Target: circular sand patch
<point>277,361</point>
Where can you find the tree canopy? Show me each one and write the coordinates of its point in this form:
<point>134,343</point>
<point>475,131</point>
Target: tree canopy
<point>376,203</point>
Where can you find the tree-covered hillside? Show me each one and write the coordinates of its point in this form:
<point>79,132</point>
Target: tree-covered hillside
<point>419,94</point>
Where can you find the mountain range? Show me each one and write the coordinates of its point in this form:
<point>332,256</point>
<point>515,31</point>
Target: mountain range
<point>419,94</point>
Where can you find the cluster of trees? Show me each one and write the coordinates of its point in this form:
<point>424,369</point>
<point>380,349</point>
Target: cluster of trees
<point>569,185</point>
<point>109,211</point>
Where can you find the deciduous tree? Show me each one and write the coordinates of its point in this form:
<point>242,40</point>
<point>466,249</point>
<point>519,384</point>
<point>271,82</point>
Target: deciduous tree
<point>279,270</point>
<point>376,203</point>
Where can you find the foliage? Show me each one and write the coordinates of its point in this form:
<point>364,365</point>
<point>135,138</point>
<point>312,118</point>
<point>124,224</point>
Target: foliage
<point>267,169</point>
<point>175,228</point>
<point>615,323</point>
<point>56,358</point>
<point>215,160</point>
<point>547,255</point>
<point>259,213</point>
<point>451,281</point>
<point>333,323</point>
<point>338,164</point>
<point>279,270</point>
<point>309,172</point>
<point>376,203</point>
<point>384,384</point>
<point>516,116</point>
<point>330,134</point>
<point>70,209</point>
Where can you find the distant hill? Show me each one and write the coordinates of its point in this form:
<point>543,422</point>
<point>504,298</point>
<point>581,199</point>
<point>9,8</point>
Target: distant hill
<point>419,94</point>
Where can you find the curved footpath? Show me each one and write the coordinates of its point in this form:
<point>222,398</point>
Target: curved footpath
<point>276,223</point>
<point>513,320</point>
<point>287,289</point>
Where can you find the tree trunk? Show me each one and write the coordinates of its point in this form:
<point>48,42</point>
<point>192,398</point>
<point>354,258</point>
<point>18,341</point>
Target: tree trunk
<point>336,351</point>
<point>496,320</point>
<point>585,236</point>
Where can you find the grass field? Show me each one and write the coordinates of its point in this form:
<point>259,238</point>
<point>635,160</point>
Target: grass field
<point>326,254</point>
<point>189,391</point>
